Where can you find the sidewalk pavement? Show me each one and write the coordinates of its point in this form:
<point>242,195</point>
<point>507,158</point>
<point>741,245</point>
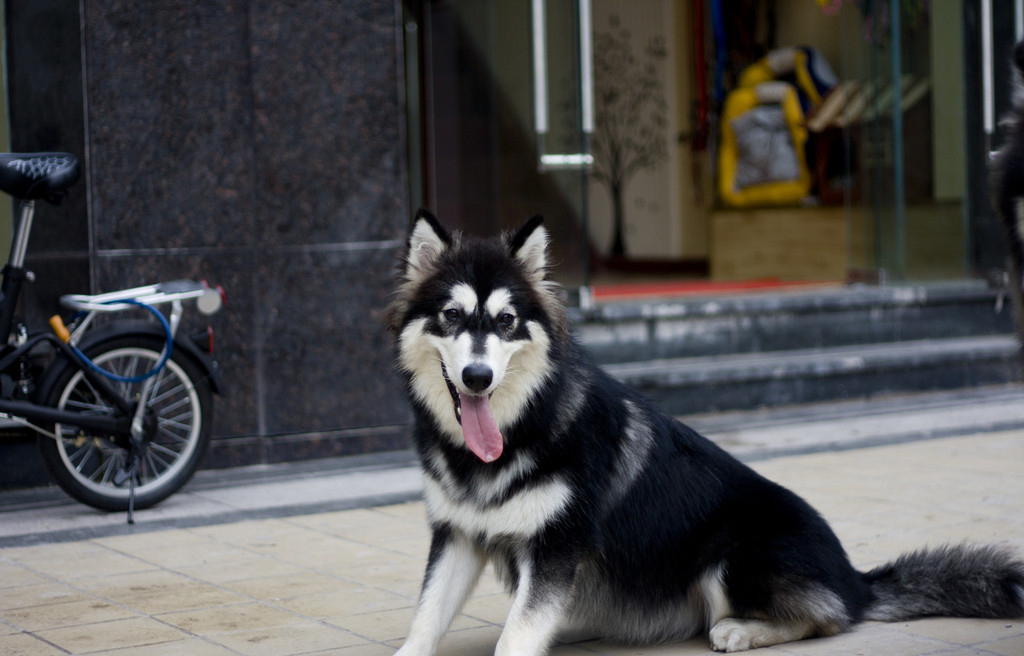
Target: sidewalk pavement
<point>345,581</point>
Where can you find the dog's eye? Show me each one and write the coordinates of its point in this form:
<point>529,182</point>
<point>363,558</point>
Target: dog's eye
<point>452,314</point>
<point>505,320</point>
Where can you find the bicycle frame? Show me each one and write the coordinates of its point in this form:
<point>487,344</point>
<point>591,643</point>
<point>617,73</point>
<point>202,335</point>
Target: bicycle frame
<point>118,426</point>
<point>132,423</point>
<point>14,276</point>
<point>127,401</point>
<point>15,273</point>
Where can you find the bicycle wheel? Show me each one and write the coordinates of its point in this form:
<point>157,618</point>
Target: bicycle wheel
<point>84,462</point>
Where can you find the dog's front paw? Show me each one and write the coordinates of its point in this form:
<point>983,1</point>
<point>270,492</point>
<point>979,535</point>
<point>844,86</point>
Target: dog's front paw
<point>731,635</point>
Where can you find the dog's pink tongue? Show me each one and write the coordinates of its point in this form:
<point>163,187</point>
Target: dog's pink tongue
<point>479,428</point>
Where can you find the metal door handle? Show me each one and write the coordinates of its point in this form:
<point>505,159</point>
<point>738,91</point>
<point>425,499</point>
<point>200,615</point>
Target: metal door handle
<point>563,161</point>
<point>988,103</point>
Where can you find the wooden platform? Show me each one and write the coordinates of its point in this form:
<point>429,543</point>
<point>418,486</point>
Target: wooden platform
<point>826,243</point>
<point>791,243</point>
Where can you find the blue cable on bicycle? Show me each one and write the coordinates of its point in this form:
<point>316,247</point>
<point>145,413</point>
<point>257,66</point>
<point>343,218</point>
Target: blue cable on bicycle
<point>159,365</point>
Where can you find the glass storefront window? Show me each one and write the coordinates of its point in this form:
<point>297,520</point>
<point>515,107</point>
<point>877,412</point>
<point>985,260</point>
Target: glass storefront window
<point>888,185</point>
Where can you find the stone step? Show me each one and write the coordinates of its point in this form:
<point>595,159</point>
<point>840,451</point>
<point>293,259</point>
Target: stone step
<point>751,380</point>
<point>676,328</point>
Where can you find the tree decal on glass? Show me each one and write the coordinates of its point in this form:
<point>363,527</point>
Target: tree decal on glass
<point>630,115</point>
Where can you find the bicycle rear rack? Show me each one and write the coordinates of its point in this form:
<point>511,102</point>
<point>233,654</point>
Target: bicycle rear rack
<point>208,301</point>
<point>165,292</point>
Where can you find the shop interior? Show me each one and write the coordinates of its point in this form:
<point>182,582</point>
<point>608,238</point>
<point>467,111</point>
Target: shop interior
<point>708,146</point>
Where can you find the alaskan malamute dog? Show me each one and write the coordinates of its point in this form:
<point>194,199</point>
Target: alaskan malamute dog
<point>606,517</point>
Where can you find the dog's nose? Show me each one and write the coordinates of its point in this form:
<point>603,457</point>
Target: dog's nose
<point>477,377</point>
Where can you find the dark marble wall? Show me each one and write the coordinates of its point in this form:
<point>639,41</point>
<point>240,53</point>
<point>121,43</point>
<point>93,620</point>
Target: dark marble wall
<point>254,143</point>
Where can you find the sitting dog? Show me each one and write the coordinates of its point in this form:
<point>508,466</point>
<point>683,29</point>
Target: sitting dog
<point>601,513</point>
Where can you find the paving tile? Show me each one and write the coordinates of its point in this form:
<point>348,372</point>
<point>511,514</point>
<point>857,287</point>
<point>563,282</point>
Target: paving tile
<point>381,626</point>
<point>979,530</point>
<point>914,520</point>
<point>186,647</point>
<point>575,650</point>
<point>985,454</point>
<point>488,584</point>
<point>961,631</point>
<point>22,644</point>
<point>234,564</point>
<point>343,600</point>
<point>118,634</point>
<point>155,540</point>
<point>371,649</point>
<point>287,640</point>
<point>692,647</point>
<point>492,608</point>
<point>838,504</point>
<point>413,511</point>
<point>13,575</point>
<point>287,586</point>
<point>413,545</point>
<point>51,616</point>
<point>1013,646</point>
<point>43,594</point>
<point>296,545</point>
<point>997,504</point>
<point>247,532</point>
<point>188,555</point>
<point>225,619</point>
<point>374,527</point>
<point>160,592</point>
<point>471,642</point>
<point>875,639</point>
<point>78,560</point>
<point>391,571</point>
<point>346,582</point>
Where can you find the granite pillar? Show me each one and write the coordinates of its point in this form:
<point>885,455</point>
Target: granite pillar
<point>254,143</point>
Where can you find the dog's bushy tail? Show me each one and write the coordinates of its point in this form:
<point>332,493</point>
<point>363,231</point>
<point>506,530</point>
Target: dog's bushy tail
<point>951,581</point>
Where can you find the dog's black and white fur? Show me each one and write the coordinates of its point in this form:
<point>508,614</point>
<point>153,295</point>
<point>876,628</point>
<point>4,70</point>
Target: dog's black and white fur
<point>605,516</point>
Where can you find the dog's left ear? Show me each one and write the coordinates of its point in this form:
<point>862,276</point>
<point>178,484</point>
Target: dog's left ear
<point>529,245</point>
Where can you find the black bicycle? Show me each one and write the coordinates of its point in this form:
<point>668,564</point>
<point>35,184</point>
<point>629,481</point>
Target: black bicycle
<point>123,406</point>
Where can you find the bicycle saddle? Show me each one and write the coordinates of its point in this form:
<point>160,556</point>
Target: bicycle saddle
<point>37,175</point>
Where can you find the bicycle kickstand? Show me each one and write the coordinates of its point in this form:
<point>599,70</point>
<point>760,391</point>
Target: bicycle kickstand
<point>130,473</point>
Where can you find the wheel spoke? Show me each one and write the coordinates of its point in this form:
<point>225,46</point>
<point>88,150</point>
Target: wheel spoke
<point>107,469</point>
<point>171,438</point>
<point>166,394</point>
<point>90,388</point>
<point>163,448</point>
<point>184,401</point>
<point>131,368</point>
<point>82,455</point>
<point>166,424</point>
<point>178,407</point>
<point>153,458</point>
<point>185,418</point>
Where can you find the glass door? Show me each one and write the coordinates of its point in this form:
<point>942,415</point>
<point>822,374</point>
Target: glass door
<point>499,107</point>
<point>990,31</point>
<point>908,216</point>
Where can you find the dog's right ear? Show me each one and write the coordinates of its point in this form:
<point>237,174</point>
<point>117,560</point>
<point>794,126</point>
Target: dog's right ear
<point>428,241</point>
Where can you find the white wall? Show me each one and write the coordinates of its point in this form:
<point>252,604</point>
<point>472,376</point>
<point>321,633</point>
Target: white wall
<point>652,203</point>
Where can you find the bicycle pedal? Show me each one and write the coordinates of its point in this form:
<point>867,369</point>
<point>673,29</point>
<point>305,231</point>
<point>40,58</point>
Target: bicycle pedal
<point>124,474</point>
<point>121,477</point>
